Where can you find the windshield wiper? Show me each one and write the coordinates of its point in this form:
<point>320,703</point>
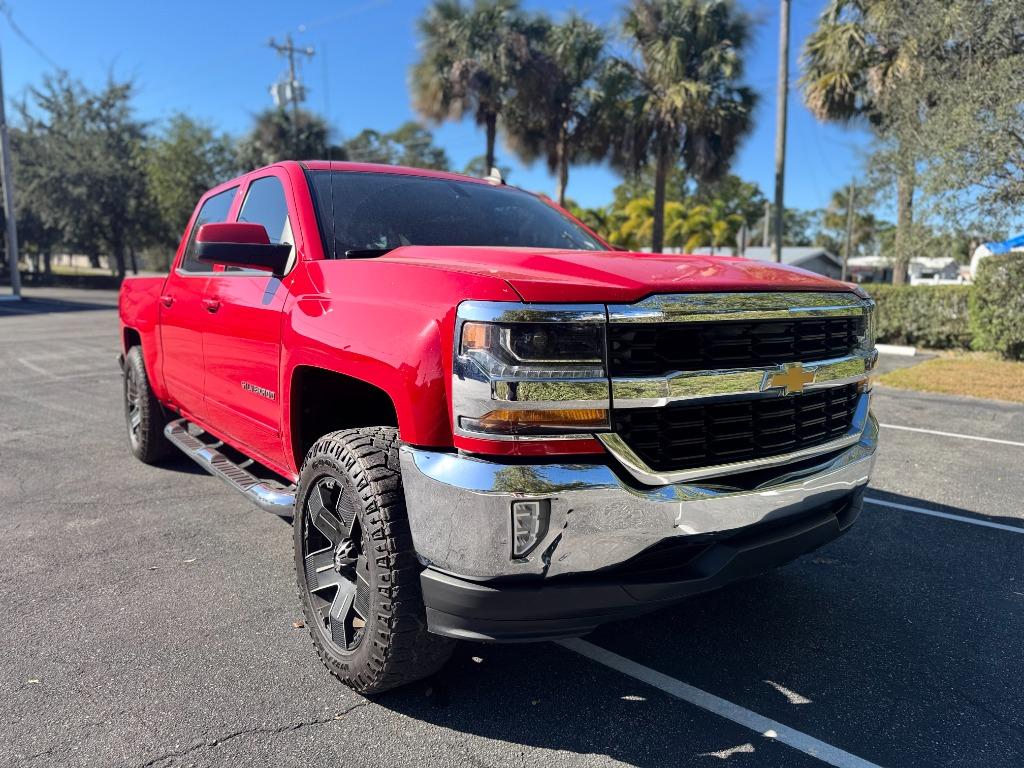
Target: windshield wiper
<point>366,253</point>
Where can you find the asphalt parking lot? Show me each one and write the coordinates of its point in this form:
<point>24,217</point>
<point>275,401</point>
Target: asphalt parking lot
<point>148,613</point>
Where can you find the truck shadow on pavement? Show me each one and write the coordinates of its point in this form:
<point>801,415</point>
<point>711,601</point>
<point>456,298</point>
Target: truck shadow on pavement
<point>544,696</point>
<point>876,621</point>
<point>44,306</point>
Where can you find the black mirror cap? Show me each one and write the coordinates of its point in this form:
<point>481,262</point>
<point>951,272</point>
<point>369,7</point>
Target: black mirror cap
<point>272,257</point>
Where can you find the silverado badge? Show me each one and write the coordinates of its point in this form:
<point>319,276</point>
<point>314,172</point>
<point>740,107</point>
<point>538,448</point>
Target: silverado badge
<point>261,391</point>
<point>790,379</point>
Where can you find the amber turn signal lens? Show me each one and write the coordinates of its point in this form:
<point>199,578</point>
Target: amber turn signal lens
<point>475,336</point>
<point>576,418</point>
<point>865,385</point>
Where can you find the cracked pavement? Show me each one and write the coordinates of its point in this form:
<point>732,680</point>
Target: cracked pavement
<point>149,613</point>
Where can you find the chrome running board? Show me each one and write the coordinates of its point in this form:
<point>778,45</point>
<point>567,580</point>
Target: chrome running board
<point>269,495</point>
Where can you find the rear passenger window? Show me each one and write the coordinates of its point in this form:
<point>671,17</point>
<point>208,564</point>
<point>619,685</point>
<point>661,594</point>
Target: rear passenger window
<point>214,210</point>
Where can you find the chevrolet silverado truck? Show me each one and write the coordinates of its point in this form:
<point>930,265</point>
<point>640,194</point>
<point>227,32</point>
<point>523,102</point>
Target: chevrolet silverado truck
<point>484,421</point>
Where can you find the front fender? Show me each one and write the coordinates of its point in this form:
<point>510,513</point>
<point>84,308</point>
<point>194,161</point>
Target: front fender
<point>389,325</point>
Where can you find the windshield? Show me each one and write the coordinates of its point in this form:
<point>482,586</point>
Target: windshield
<point>367,212</point>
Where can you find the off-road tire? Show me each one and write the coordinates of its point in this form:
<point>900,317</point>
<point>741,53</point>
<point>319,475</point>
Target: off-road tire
<point>146,440</point>
<point>394,648</point>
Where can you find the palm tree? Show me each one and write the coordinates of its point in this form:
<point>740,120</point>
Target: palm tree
<point>554,115</point>
<point>634,227</point>
<point>852,64</point>
<point>834,219</point>
<point>276,135</point>
<point>470,60</point>
<point>600,220</point>
<point>682,99</point>
<point>712,224</point>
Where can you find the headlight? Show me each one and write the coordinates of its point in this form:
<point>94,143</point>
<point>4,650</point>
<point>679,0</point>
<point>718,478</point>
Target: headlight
<point>867,344</point>
<point>870,325</point>
<point>534,347</point>
<point>529,371</point>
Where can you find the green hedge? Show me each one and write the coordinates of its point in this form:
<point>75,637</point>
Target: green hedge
<point>997,306</point>
<point>933,316</point>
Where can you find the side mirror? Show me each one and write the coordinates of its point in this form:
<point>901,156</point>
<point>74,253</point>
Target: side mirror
<point>241,245</point>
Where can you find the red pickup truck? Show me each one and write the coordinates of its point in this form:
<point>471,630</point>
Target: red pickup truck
<point>485,422</point>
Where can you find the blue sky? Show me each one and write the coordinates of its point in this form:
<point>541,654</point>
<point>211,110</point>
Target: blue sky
<point>211,59</point>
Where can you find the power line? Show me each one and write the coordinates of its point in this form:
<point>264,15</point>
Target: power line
<point>6,11</point>
<point>343,14</point>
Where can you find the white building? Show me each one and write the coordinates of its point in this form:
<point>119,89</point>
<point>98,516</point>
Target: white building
<point>926,270</point>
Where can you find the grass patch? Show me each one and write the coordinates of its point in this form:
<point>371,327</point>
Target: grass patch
<point>970,374</point>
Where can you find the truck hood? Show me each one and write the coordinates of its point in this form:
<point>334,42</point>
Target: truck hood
<point>549,275</point>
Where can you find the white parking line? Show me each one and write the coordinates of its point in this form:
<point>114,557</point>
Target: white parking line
<point>945,515</point>
<point>953,434</point>
<point>755,722</point>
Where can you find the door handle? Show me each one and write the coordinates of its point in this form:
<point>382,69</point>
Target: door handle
<point>211,304</point>
<point>167,299</point>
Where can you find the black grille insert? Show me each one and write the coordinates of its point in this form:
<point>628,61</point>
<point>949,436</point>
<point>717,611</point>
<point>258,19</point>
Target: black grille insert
<point>655,349</point>
<point>681,436</point>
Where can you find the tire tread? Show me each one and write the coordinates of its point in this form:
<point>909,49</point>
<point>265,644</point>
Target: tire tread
<point>402,649</point>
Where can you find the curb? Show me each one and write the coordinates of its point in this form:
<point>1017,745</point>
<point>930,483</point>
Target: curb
<point>895,349</point>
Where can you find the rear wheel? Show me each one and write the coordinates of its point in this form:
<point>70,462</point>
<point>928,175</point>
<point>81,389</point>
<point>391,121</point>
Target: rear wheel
<point>143,413</point>
<point>358,575</point>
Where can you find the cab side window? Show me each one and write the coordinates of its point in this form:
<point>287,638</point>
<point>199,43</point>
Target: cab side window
<point>214,210</point>
<point>265,204</point>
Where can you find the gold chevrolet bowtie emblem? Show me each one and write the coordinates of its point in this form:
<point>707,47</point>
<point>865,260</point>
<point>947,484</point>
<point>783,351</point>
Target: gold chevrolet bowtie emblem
<point>792,378</point>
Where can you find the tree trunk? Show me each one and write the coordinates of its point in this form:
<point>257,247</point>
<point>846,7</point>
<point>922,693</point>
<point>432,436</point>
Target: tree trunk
<point>660,177</point>
<point>904,224</point>
<point>492,129</point>
<point>119,264</point>
<point>94,259</point>
<point>47,266</point>
<point>563,166</point>
<point>134,260</point>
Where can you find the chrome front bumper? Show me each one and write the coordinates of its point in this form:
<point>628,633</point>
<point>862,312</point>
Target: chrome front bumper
<point>459,508</point>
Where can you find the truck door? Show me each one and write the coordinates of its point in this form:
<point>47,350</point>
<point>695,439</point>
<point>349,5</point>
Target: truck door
<point>183,314</point>
<point>242,340</point>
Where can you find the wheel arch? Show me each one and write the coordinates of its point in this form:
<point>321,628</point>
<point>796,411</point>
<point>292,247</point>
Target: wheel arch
<point>130,337</point>
<point>324,401</point>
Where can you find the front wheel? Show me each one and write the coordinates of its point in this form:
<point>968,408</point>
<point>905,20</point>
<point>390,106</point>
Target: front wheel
<point>358,576</point>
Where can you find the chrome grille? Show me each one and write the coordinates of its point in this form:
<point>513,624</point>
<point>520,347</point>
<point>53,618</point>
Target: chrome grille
<point>653,349</point>
<point>710,384</point>
<point>680,437</point>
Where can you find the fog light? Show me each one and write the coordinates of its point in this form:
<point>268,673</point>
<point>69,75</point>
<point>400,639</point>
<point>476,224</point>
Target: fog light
<point>529,524</point>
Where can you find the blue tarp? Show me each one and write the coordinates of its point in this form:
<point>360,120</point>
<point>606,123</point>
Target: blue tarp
<point>1007,245</point>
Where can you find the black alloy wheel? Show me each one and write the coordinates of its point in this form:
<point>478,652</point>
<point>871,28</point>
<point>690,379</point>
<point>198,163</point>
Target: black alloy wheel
<point>133,408</point>
<point>144,416</point>
<point>336,571</point>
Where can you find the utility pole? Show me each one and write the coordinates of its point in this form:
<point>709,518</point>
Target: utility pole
<point>767,223</point>
<point>781,98</point>
<point>294,92</point>
<point>848,246</point>
<point>8,191</point>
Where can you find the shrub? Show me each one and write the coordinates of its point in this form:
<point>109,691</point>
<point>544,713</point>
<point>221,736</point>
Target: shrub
<point>997,306</point>
<point>933,316</point>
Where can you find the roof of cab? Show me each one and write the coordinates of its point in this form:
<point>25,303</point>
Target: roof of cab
<point>335,165</point>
